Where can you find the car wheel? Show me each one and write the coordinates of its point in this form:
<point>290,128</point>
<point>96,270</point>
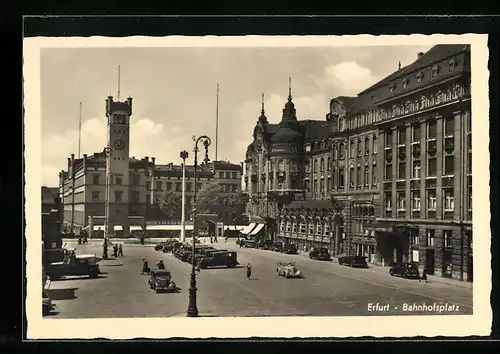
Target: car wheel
<point>93,273</point>
<point>391,272</point>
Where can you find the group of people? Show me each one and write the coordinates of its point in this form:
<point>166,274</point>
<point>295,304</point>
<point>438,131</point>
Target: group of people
<point>117,250</point>
<point>147,270</point>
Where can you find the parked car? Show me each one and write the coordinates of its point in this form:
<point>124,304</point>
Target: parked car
<point>320,254</point>
<point>278,247</point>
<point>405,270</point>
<point>219,259</point>
<point>288,270</point>
<point>73,266</point>
<point>159,246</point>
<point>354,261</point>
<point>267,245</point>
<point>290,249</point>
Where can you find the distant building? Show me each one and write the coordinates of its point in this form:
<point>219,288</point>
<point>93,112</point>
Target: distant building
<point>387,175</point>
<point>135,184</point>
<point>49,196</point>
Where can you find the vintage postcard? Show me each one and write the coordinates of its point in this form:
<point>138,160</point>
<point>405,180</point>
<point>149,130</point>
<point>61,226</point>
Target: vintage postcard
<point>255,186</point>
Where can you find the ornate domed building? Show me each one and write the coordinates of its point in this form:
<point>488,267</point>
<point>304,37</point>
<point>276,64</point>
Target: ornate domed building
<point>387,175</point>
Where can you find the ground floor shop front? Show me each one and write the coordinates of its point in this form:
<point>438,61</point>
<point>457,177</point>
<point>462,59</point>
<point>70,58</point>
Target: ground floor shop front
<point>442,249</point>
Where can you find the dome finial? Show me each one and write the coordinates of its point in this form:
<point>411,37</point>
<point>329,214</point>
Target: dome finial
<point>289,88</point>
<point>399,66</point>
<point>262,112</point>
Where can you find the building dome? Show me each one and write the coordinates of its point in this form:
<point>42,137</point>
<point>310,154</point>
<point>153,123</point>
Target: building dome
<point>286,135</point>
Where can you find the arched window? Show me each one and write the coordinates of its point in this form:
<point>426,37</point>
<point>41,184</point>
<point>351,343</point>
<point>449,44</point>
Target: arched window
<point>329,163</point>
<point>341,151</point>
<point>322,165</point>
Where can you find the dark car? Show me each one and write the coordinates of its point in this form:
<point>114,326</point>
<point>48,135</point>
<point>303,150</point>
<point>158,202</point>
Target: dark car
<point>267,244</point>
<point>320,254</point>
<point>354,261</point>
<point>278,247</point>
<point>170,246</point>
<point>160,246</point>
<point>219,259</point>
<point>405,270</point>
<point>74,266</point>
<point>290,249</point>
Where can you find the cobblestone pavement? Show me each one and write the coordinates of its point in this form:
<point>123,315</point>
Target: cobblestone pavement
<point>328,289</point>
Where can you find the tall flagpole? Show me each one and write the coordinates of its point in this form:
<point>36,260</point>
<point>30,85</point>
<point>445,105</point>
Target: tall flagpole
<point>118,96</point>
<point>217,123</point>
<point>80,130</point>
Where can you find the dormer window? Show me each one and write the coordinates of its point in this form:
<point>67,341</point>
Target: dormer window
<point>405,83</point>
<point>451,65</point>
<point>434,71</point>
<point>308,148</point>
<point>419,77</point>
<point>391,88</point>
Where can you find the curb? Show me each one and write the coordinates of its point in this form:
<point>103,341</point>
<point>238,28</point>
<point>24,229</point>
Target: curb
<point>110,263</point>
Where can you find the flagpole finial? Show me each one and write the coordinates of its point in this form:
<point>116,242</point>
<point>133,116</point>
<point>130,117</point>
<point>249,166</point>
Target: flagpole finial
<point>262,111</point>
<point>289,87</point>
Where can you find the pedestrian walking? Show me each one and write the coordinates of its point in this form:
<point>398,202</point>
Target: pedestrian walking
<point>160,265</point>
<point>145,267</point>
<point>115,250</point>
<point>249,271</point>
<point>424,275</point>
<point>104,252</point>
<point>120,250</point>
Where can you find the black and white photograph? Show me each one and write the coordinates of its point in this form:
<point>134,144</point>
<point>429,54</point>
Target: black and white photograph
<point>257,186</point>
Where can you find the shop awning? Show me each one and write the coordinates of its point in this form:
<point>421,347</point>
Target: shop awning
<point>168,227</point>
<point>248,228</point>
<point>98,227</point>
<point>118,228</point>
<point>135,227</point>
<point>256,230</point>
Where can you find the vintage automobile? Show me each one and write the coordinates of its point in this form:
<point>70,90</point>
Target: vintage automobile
<point>160,246</point>
<point>405,270</point>
<point>247,243</point>
<point>354,261</point>
<point>160,280</point>
<point>320,254</point>
<point>74,266</point>
<point>277,247</point>
<point>289,270</point>
<point>219,259</point>
<point>290,249</point>
<point>266,244</point>
<point>170,246</point>
<point>47,305</point>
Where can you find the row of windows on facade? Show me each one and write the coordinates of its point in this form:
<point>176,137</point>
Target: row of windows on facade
<point>361,175</point>
<point>356,146</point>
<point>409,106</point>
<point>228,175</point>
<point>135,197</point>
<point>448,201</point>
<point>430,235</point>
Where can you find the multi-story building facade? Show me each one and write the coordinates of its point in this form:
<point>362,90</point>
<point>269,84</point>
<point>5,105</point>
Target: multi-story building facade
<point>134,185</point>
<point>387,175</point>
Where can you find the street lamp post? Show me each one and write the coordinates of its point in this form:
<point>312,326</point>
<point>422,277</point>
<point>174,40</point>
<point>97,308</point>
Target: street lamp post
<point>192,310</point>
<point>107,151</point>
<point>184,155</point>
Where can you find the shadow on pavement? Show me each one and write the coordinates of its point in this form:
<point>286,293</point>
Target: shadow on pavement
<point>81,278</point>
<point>62,294</point>
<point>52,313</point>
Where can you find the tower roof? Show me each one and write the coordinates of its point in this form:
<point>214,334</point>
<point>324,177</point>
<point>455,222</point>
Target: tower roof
<point>263,118</point>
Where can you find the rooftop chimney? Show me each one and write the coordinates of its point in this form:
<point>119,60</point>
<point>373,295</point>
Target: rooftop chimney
<point>420,55</point>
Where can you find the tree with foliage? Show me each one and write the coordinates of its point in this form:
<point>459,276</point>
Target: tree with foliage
<point>170,205</point>
<point>211,199</point>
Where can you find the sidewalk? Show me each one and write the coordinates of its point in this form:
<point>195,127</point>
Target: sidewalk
<point>430,278</point>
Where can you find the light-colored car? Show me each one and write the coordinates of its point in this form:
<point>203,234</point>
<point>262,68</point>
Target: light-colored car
<point>289,270</point>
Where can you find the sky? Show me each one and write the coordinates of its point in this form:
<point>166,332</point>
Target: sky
<point>174,94</point>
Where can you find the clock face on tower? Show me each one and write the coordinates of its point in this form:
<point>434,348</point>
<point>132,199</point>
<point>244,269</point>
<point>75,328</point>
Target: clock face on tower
<point>119,144</point>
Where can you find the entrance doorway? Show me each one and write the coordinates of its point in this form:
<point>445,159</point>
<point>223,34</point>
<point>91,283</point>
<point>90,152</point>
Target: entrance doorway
<point>429,261</point>
<point>447,262</point>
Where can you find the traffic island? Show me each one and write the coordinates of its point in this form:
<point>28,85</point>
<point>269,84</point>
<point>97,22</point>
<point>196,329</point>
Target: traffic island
<point>110,263</point>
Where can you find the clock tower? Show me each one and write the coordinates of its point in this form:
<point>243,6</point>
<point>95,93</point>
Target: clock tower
<point>117,165</point>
